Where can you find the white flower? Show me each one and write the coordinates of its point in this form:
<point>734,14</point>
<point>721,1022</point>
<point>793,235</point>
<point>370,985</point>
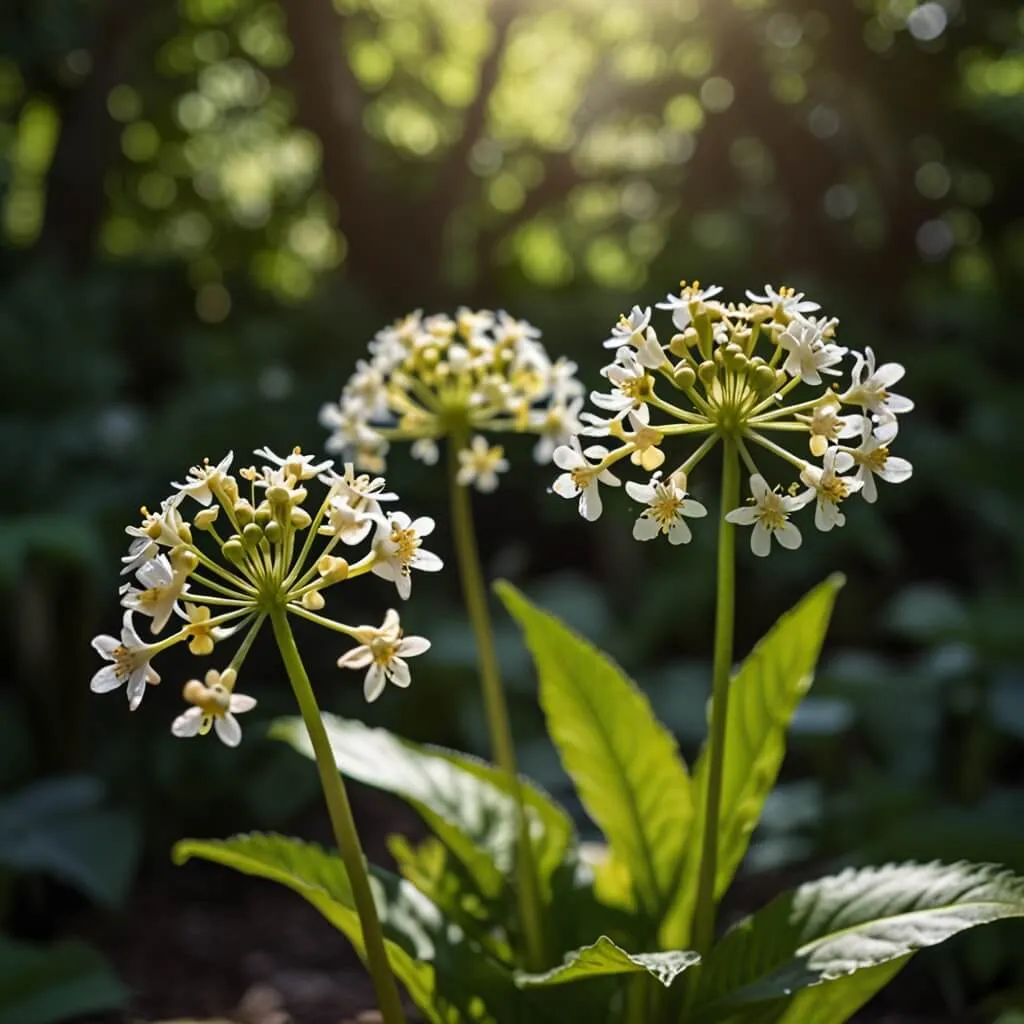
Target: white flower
<point>397,546</point>
<point>355,504</point>
<point>556,425</point>
<point>630,329</point>
<point>163,528</point>
<point>202,635</point>
<point>870,391</point>
<point>425,450</point>
<point>769,516</point>
<point>789,301</point>
<point>201,480</point>
<point>667,504</point>
<point>473,322</point>
<point>646,438</point>
<point>383,650</point>
<point>350,432</point>
<point>130,659</point>
<point>689,301</point>
<point>630,379</point>
<point>830,488</point>
<point>826,425</point>
<point>509,329</point>
<point>872,459</point>
<point>480,464</point>
<point>163,585</point>
<point>213,705</point>
<point>301,467</point>
<point>581,478</point>
<point>809,354</point>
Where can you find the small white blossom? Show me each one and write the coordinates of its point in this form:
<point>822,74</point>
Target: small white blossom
<point>213,705</point>
<point>830,488</point>
<point>201,479</point>
<point>354,506</point>
<point>508,329</point>
<point>769,516</point>
<point>480,464</point>
<point>425,450</point>
<point>809,354</point>
<point>872,459</point>
<point>555,425</point>
<point>691,299</point>
<point>787,300</point>
<point>581,478</point>
<point>667,505</point>
<point>130,663</point>
<point>630,379</point>
<point>162,585</point>
<point>161,529</point>
<point>397,546</point>
<point>870,391</point>
<point>383,650</point>
<point>301,467</point>
<point>629,328</point>
<point>827,426</point>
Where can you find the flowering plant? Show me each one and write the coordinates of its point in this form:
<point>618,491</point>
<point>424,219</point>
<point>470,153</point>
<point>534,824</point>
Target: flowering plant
<point>503,906</point>
<point>259,562</point>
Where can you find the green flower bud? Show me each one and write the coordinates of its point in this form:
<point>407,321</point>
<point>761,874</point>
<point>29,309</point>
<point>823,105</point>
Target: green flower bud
<point>273,531</point>
<point>707,372</point>
<point>684,375</point>
<point>252,534</point>
<point>233,550</point>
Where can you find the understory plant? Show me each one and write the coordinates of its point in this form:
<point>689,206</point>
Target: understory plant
<point>628,927</point>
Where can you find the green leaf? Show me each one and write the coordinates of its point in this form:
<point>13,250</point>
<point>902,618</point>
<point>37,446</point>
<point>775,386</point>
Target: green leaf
<point>47,984</point>
<point>604,958</point>
<point>57,826</point>
<point>853,921</point>
<point>442,968</point>
<point>625,765</point>
<point>763,696</point>
<point>465,802</point>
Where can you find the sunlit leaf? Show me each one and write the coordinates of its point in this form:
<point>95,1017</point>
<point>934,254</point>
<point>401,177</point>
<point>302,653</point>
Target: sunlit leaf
<point>625,765</point>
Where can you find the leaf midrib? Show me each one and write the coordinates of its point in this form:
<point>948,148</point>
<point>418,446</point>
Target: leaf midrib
<point>634,809</point>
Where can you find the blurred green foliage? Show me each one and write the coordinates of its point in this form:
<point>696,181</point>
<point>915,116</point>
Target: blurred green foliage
<point>207,207</point>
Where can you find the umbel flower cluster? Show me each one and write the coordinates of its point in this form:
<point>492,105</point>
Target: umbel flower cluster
<point>430,377</point>
<point>735,372</point>
<point>262,553</point>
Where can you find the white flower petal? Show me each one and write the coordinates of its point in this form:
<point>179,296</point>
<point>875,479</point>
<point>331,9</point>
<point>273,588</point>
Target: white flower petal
<point>410,646</point>
<point>104,680</point>
<point>788,535</point>
<point>187,724</point>
<point>229,732</point>
<point>373,686</point>
<point>761,540</point>
<point>645,528</point>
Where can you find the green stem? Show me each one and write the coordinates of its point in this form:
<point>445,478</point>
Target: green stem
<point>498,726</point>
<point>342,823</point>
<point>725,608</point>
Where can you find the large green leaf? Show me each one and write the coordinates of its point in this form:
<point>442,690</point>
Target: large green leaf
<point>465,802</point>
<point>444,971</point>
<point>763,696</point>
<point>604,958</point>
<point>625,765</point>
<point>856,920</point>
<point>47,984</point>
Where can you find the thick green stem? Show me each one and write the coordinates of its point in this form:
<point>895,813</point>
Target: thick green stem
<point>725,607</point>
<point>499,727</point>
<point>342,823</point>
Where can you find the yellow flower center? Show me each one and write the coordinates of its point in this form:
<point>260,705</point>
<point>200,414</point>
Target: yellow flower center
<point>834,489</point>
<point>875,460</point>
<point>583,477</point>
<point>406,544</point>
<point>665,508</point>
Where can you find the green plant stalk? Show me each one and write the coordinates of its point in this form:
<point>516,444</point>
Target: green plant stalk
<point>499,727</point>
<point>342,823</point>
<point>725,613</point>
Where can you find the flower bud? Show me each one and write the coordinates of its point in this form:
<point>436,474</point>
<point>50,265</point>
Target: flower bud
<point>763,379</point>
<point>244,512</point>
<point>229,489</point>
<point>184,560</point>
<point>684,376</point>
<point>312,600</point>
<point>263,516</point>
<point>300,518</point>
<point>278,496</point>
<point>233,550</point>
<point>332,569</point>
<point>194,692</point>
<point>252,535</point>
<point>780,379</point>
<point>735,358</point>
<point>707,372</point>
<point>205,518</point>
<point>273,532</point>
<point>677,345</point>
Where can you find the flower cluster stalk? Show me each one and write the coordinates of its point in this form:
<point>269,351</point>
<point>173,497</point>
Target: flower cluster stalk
<point>499,727</point>
<point>342,823</point>
<point>725,610</point>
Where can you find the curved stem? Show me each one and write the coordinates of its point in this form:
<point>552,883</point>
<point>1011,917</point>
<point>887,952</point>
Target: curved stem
<point>342,823</point>
<point>496,710</point>
<point>725,607</point>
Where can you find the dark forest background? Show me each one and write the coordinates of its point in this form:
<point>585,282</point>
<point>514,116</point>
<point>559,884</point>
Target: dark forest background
<point>207,207</point>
